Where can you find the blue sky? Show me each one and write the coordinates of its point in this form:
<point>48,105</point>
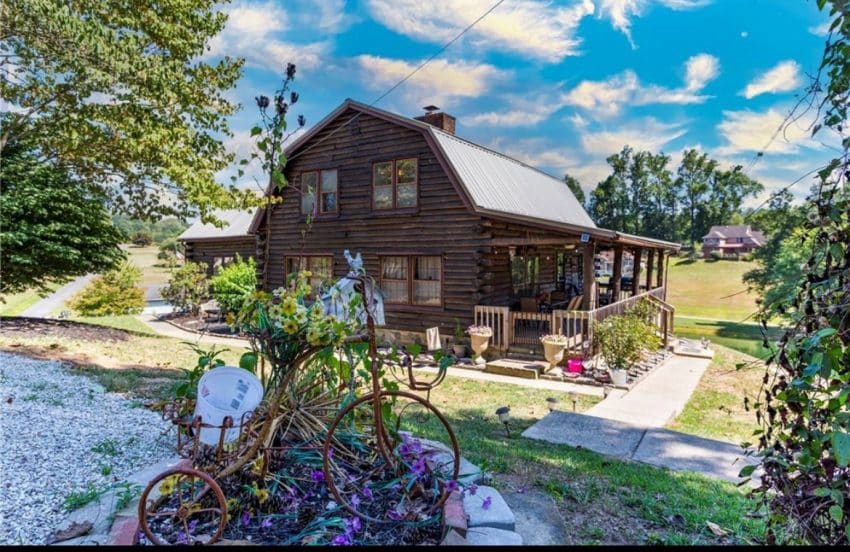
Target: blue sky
<point>558,84</point>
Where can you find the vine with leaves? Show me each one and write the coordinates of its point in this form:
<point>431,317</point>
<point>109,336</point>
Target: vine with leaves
<point>802,408</point>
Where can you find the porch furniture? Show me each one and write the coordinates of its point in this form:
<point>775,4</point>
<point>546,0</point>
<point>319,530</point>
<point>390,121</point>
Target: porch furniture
<point>528,304</point>
<point>575,302</point>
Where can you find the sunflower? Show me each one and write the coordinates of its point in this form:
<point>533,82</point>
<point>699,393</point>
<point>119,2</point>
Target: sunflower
<point>290,327</point>
<point>289,306</point>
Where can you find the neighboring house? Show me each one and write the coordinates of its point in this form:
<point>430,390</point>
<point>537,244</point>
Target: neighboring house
<point>731,240</point>
<point>216,246</point>
<point>446,227</point>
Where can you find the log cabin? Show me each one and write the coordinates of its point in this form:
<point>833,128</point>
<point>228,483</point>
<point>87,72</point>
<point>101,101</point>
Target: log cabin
<point>218,245</point>
<point>454,232</point>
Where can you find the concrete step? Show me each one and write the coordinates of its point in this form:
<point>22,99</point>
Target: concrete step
<point>517,368</point>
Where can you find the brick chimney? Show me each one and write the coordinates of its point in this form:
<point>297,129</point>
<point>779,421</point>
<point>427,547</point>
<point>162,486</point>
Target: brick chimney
<point>434,117</point>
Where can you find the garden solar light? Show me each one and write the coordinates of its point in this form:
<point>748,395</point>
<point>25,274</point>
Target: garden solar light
<point>503,413</point>
<point>552,403</point>
<point>574,398</point>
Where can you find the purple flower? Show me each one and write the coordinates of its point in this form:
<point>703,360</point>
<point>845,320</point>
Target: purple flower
<point>317,476</point>
<point>356,525</point>
<point>341,540</point>
<point>393,514</point>
<point>404,449</point>
<point>451,485</point>
<point>472,489</point>
<point>418,467</point>
<point>355,501</point>
<point>487,503</point>
<point>192,525</point>
<point>367,492</point>
<point>331,453</point>
<point>246,518</point>
<point>267,523</point>
<point>182,538</point>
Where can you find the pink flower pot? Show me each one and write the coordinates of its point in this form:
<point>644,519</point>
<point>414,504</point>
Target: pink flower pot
<point>574,366</point>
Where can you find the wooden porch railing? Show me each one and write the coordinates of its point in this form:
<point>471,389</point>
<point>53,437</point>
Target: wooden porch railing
<point>525,328</point>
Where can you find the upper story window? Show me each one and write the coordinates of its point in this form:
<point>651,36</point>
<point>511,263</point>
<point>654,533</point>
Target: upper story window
<point>321,185</point>
<point>395,184</point>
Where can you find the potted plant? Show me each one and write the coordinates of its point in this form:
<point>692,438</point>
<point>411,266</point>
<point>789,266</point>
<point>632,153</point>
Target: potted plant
<point>479,336</point>
<point>458,347</point>
<point>621,340</point>
<point>553,348</point>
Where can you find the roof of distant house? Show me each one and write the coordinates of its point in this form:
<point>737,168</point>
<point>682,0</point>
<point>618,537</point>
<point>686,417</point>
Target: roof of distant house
<point>736,231</point>
<point>496,184</point>
<point>236,225</point>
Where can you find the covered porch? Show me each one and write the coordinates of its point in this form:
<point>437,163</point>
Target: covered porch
<point>565,283</point>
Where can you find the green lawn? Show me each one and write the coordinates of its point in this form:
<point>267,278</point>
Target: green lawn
<point>716,409</point>
<point>154,271</point>
<point>121,322</point>
<point>17,303</point>
<point>710,289</point>
<point>742,337</point>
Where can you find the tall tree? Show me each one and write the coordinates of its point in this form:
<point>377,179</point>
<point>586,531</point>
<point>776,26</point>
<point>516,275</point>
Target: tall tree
<point>575,187</point>
<point>118,92</point>
<point>53,227</point>
<point>693,182</point>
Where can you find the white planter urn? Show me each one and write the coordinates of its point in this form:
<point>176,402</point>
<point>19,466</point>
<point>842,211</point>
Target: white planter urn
<point>554,353</point>
<point>619,377</point>
<point>479,345</point>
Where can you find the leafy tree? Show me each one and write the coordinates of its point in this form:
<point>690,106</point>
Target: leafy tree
<point>53,227</point>
<point>119,92</point>
<point>233,283</point>
<point>188,287</point>
<point>693,181</point>
<point>802,409</point>
<point>116,292</point>
<point>575,187</point>
<point>141,239</point>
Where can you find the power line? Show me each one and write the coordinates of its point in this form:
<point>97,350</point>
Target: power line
<point>405,79</point>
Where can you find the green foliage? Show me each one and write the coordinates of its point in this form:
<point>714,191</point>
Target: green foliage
<point>53,226</point>
<point>115,292</point>
<point>89,71</point>
<point>188,287</point>
<point>575,187</point>
<point>78,499</point>
<point>160,230</point>
<point>802,409</point>
<point>141,239</point>
<point>233,283</point>
<point>642,195</point>
<point>187,387</point>
<point>621,339</point>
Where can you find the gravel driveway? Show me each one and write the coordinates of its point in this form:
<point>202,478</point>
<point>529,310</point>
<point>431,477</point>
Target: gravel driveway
<point>61,433</point>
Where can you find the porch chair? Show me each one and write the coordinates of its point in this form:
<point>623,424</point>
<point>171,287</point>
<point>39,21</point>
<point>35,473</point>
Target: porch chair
<point>575,302</point>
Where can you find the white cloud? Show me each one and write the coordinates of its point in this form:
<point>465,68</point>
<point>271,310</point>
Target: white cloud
<point>750,131</point>
<point>606,98</point>
<point>822,29</point>
<point>646,134</point>
<point>251,31</point>
<point>520,111</point>
<point>621,12</point>
<point>537,30</point>
<point>782,78</point>
<point>438,78</point>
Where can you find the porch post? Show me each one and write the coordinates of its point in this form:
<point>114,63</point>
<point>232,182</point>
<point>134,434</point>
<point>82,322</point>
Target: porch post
<point>638,253</point>
<point>617,276</point>
<point>588,301</point>
<point>666,274</point>
<point>660,281</point>
<point>650,266</point>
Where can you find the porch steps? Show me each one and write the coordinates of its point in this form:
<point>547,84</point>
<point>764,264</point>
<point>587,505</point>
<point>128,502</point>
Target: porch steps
<point>517,368</point>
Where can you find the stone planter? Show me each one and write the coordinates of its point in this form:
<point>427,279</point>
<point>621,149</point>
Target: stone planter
<point>479,345</point>
<point>619,377</point>
<point>554,353</point>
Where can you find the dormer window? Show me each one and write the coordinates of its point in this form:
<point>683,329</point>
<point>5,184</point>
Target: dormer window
<point>321,184</point>
<point>395,184</point>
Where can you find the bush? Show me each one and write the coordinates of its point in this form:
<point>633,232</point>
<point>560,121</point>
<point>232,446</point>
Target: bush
<point>188,287</point>
<point>746,257</point>
<point>168,251</point>
<point>621,339</point>
<point>716,255</point>
<point>233,283</point>
<point>113,293</point>
<point>141,239</point>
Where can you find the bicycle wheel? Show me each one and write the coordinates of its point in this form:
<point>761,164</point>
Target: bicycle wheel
<point>386,474</point>
<point>184,510</point>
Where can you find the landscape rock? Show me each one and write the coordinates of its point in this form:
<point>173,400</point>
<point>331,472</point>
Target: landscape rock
<point>490,536</point>
<point>497,514</point>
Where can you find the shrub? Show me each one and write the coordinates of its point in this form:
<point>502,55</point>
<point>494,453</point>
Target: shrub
<point>115,292</point>
<point>716,255</point>
<point>746,257</point>
<point>188,287</point>
<point>233,283</point>
<point>622,338</point>
<point>168,250</point>
<point>141,239</point>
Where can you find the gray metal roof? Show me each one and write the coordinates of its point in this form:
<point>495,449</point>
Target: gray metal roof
<point>496,182</point>
<point>236,225</point>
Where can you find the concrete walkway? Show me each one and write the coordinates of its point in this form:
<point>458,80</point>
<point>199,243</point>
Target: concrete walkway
<point>169,330</point>
<point>53,302</point>
<point>562,386</point>
<point>656,399</point>
<point>659,447</point>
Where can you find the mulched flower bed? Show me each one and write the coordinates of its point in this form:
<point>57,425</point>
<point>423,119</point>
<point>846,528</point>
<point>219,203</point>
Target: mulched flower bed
<point>195,324</point>
<point>16,326</point>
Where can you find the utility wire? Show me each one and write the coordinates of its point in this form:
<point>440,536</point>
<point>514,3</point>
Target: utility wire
<point>403,80</point>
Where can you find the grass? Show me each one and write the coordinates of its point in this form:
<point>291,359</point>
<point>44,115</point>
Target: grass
<point>716,409</point>
<point>153,270</point>
<point>121,322</point>
<point>17,303</point>
<point>742,337</point>
<point>710,289</point>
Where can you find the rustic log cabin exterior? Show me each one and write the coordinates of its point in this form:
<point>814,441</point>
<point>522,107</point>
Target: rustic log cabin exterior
<point>454,232</point>
<point>217,246</point>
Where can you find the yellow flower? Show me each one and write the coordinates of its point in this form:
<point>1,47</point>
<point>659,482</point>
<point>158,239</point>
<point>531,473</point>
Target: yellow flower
<point>169,484</point>
<point>289,306</point>
<point>300,316</point>
<point>262,495</point>
<point>314,337</point>
<point>316,311</point>
<point>257,465</point>
<point>232,503</point>
<point>290,327</point>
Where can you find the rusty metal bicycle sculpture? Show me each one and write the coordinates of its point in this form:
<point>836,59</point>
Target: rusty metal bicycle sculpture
<point>373,468</point>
